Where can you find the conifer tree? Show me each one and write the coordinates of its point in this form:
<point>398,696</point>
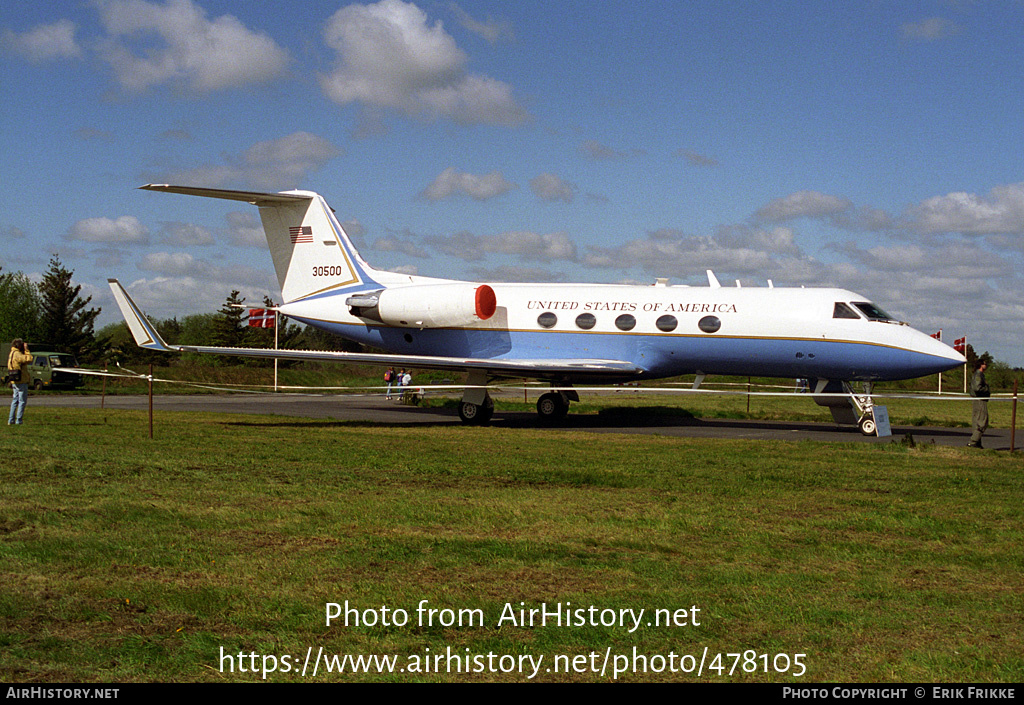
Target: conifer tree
<point>66,323</point>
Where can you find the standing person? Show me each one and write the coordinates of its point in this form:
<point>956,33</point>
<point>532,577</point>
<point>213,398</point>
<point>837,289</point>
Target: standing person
<point>408,397</point>
<point>979,413</point>
<point>19,356</point>
<point>389,377</point>
<point>399,379</point>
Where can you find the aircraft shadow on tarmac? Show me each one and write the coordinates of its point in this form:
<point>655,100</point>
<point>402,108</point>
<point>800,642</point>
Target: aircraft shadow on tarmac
<point>624,418</point>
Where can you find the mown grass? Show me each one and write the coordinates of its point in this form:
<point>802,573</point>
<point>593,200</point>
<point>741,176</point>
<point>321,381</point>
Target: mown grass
<point>126,559</point>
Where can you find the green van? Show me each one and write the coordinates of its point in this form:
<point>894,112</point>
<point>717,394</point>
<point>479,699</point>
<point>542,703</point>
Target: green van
<point>42,374</point>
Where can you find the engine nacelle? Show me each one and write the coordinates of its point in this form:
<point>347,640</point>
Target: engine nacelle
<point>427,306</point>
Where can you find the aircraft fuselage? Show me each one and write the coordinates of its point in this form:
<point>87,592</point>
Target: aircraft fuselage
<point>664,330</point>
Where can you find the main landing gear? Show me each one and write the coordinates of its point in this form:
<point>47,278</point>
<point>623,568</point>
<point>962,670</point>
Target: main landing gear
<point>476,406</point>
<point>476,414</point>
<point>554,406</point>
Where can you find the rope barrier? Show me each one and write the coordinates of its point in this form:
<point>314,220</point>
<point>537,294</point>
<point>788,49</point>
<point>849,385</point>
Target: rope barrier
<point>376,390</point>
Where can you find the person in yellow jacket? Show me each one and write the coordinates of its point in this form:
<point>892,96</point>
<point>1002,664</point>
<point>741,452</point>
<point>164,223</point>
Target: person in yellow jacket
<point>19,357</point>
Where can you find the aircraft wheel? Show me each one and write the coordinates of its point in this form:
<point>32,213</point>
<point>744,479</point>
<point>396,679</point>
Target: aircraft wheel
<point>551,407</point>
<point>470,413</point>
<point>476,414</point>
<point>867,426</point>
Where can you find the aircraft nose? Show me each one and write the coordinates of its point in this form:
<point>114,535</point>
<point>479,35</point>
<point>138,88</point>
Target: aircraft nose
<point>939,356</point>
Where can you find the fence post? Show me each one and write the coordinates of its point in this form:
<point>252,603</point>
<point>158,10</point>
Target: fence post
<point>151,401</point>
<point>1013,418</point>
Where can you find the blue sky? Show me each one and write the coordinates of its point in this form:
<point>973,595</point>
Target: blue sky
<point>872,145</point>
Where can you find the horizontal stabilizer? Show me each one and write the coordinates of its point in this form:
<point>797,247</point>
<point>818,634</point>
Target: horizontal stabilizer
<point>255,197</point>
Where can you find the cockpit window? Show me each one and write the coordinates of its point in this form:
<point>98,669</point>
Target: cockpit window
<point>872,312</point>
<point>843,311</point>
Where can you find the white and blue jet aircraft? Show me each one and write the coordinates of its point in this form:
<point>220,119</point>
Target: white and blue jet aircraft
<point>565,334</point>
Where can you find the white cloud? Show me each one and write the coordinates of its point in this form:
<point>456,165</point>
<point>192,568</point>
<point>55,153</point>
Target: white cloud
<point>404,245</point>
<point>493,30</point>
<point>149,44</point>
<point>182,264</point>
<point>45,42</point>
<point>552,188</point>
<point>956,260</point>
<point>695,159</point>
<point>1001,213</point>
<point>511,273</point>
<point>174,264</point>
<point>164,296</point>
<point>803,204</point>
<point>533,246</point>
<point>597,150</point>
<point>777,240</point>
<point>451,182</point>
<point>528,246</point>
<point>245,230</point>
<point>126,230</point>
<point>930,29</point>
<point>185,235</point>
<point>390,57</point>
<point>274,164</point>
<point>733,251</point>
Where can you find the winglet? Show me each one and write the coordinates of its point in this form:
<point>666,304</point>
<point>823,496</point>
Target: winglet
<point>142,330</point>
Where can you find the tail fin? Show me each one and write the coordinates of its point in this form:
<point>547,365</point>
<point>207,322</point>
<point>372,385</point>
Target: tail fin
<point>312,254</point>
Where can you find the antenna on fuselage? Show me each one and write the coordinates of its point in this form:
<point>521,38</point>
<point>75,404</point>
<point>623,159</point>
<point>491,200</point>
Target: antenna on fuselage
<point>713,281</point>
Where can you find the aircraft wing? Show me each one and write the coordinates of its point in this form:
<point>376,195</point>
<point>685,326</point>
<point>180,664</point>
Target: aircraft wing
<point>146,336</point>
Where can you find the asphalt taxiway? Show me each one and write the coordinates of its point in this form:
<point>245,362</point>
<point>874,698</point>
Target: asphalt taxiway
<point>375,410</point>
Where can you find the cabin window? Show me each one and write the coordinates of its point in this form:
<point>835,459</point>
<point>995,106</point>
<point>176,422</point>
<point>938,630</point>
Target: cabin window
<point>586,321</point>
<point>872,312</point>
<point>709,324</point>
<point>667,323</point>
<point>547,320</point>
<point>843,311</point>
<point>625,322</point>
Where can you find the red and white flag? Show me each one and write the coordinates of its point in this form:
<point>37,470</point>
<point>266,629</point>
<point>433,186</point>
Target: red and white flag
<point>261,318</point>
<point>960,345</point>
<point>937,336</point>
<point>300,233</point>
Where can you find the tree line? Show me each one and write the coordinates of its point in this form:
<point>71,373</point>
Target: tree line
<point>53,315</point>
<point>50,313</point>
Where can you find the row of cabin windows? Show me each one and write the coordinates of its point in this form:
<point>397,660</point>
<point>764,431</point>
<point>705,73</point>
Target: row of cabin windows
<point>627,322</point>
<point>870,311</point>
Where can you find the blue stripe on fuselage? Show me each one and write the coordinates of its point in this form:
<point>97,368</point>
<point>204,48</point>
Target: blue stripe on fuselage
<point>662,355</point>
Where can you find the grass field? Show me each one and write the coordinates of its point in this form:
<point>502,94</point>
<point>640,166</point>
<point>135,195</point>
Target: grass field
<point>125,559</point>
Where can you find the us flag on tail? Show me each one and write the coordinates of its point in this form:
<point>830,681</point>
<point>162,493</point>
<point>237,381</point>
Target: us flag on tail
<point>300,233</point>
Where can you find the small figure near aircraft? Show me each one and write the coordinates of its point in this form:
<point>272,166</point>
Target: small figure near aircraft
<point>565,334</point>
